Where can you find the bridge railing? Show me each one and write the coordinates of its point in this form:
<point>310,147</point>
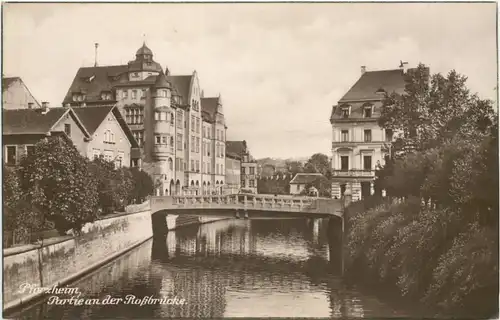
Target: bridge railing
<point>245,201</point>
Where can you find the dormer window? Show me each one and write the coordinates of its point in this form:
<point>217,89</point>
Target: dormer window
<point>345,111</point>
<point>367,111</point>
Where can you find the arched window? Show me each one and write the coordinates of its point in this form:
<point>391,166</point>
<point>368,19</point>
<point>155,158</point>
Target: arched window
<point>170,164</point>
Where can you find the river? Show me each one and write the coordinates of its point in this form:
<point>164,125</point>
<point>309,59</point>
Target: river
<point>228,268</point>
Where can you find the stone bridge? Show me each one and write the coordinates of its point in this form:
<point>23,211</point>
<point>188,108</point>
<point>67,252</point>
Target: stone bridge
<point>247,206</point>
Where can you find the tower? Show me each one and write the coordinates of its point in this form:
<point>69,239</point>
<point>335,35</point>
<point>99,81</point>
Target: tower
<point>163,132</point>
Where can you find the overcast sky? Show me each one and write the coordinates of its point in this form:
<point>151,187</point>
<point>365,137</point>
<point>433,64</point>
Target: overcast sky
<point>278,67</point>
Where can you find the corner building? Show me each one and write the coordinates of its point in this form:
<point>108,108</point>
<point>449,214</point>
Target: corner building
<point>179,132</point>
<point>359,144</point>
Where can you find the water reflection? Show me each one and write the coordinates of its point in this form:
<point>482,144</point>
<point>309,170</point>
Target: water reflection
<point>230,268</point>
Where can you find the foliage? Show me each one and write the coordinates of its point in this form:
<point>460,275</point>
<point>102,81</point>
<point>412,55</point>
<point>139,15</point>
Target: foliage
<point>114,186</point>
<point>440,244</point>
<point>142,186</point>
<point>294,167</point>
<point>55,181</point>
<point>318,163</point>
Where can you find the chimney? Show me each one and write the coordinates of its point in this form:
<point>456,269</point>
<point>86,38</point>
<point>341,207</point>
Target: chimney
<point>30,105</point>
<point>403,65</point>
<point>45,107</point>
<point>363,69</point>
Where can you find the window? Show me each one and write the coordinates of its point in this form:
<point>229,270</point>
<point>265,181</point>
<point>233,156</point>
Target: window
<point>345,112</point>
<point>125,94</point>
<point>179,119</point>
<point>108,155</point>
<point>342,189</point>
<point>109,137</point>
<point>67,129</point>
<point>243,183</point>
<point>134,94</point>
<point>192,144</point>
<point>368,135</point>
<point>388,135</point>
<point>179,142</point>
<point>344,163</point>
<point>367,162</point>
<point>298,187</point>
<point>11,155</point>
<point>134,115</point>
<point>119,160</point>
<point>157,116</point>
<point>252,170</point>
<point>171,118</point>
<point>29,150</point>
<point>344,136</point>
<point>163,140</point>
<point>192,165</point>
<point>136,74</point>
<point>96,153</point>
<point>222,135</point>
<point>143,94</point>
<point>251,183</point>
<point>139,137</point>
<point>163,116</point>
<point>157,139</point>
<point>135,162</point>
<point>197,125</point>
<point>197,165</point>
<point>243,170</point>
<point>197,145</point>
<point>170,164</point>
<point>368,112</point>
<point>192,123</point>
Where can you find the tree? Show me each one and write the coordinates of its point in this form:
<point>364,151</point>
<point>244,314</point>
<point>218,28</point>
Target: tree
<point>318,163</point>
<point>294,167</point>
<point>55,181</point>
<point>434,109</point>
<point>142,185</point>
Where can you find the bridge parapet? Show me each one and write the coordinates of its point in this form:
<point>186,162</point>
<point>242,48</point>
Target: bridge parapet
<point>248,202</point>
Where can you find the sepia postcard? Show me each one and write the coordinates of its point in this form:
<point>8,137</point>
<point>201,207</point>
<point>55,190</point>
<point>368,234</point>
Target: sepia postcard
<point>250,160</point>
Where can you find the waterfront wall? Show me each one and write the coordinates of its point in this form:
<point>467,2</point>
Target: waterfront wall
<point>63,259</point>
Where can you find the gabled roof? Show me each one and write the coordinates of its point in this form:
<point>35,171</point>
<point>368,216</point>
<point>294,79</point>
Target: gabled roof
<point>92,117</point>
<point>34,121</point>
<point>233,155</point>
<point>209,108</point>
<point>182,84</point>
<point>236,147</point>
<point>372,81</point>
<point>8,81</point>
<point>304,178</point>
<point>93,80</point>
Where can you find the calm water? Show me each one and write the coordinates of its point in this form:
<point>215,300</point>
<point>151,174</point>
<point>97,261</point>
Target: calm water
<point>229,268</point>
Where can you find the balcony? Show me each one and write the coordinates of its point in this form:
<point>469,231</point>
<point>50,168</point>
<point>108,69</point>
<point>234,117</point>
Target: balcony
<point>353,173</point>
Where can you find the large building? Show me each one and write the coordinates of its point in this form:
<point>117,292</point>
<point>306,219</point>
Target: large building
<point>249,174</point>
<point>233,173</point>
<point>358,142</point>
<point>181,134</point>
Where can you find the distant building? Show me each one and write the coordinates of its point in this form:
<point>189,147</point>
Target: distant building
<point>249,175</point>
<point>23,128</point>
<point>181,133</point>
<point>233,173</point>
<point>16,95</point>
<point>299,182</point>
<point>359,143</point>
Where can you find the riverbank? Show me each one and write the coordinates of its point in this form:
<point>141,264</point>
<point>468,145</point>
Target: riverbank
<point>62,260</point>
<point>424,257</point>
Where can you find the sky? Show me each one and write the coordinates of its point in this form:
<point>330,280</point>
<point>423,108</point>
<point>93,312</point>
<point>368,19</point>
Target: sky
<point>278,67</point>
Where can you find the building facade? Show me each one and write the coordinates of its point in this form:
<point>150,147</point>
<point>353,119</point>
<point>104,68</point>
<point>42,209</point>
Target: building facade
<point>301,180</point>
<point>16,95</point>
<point>233,173</point>
<point>23,128</point>
<point>111,138</point>
<point>249,174</point>
<point>179,136</point>
<point>359,144</point>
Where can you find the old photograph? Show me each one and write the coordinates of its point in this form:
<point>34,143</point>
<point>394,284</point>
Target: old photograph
<point>251,160</point>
